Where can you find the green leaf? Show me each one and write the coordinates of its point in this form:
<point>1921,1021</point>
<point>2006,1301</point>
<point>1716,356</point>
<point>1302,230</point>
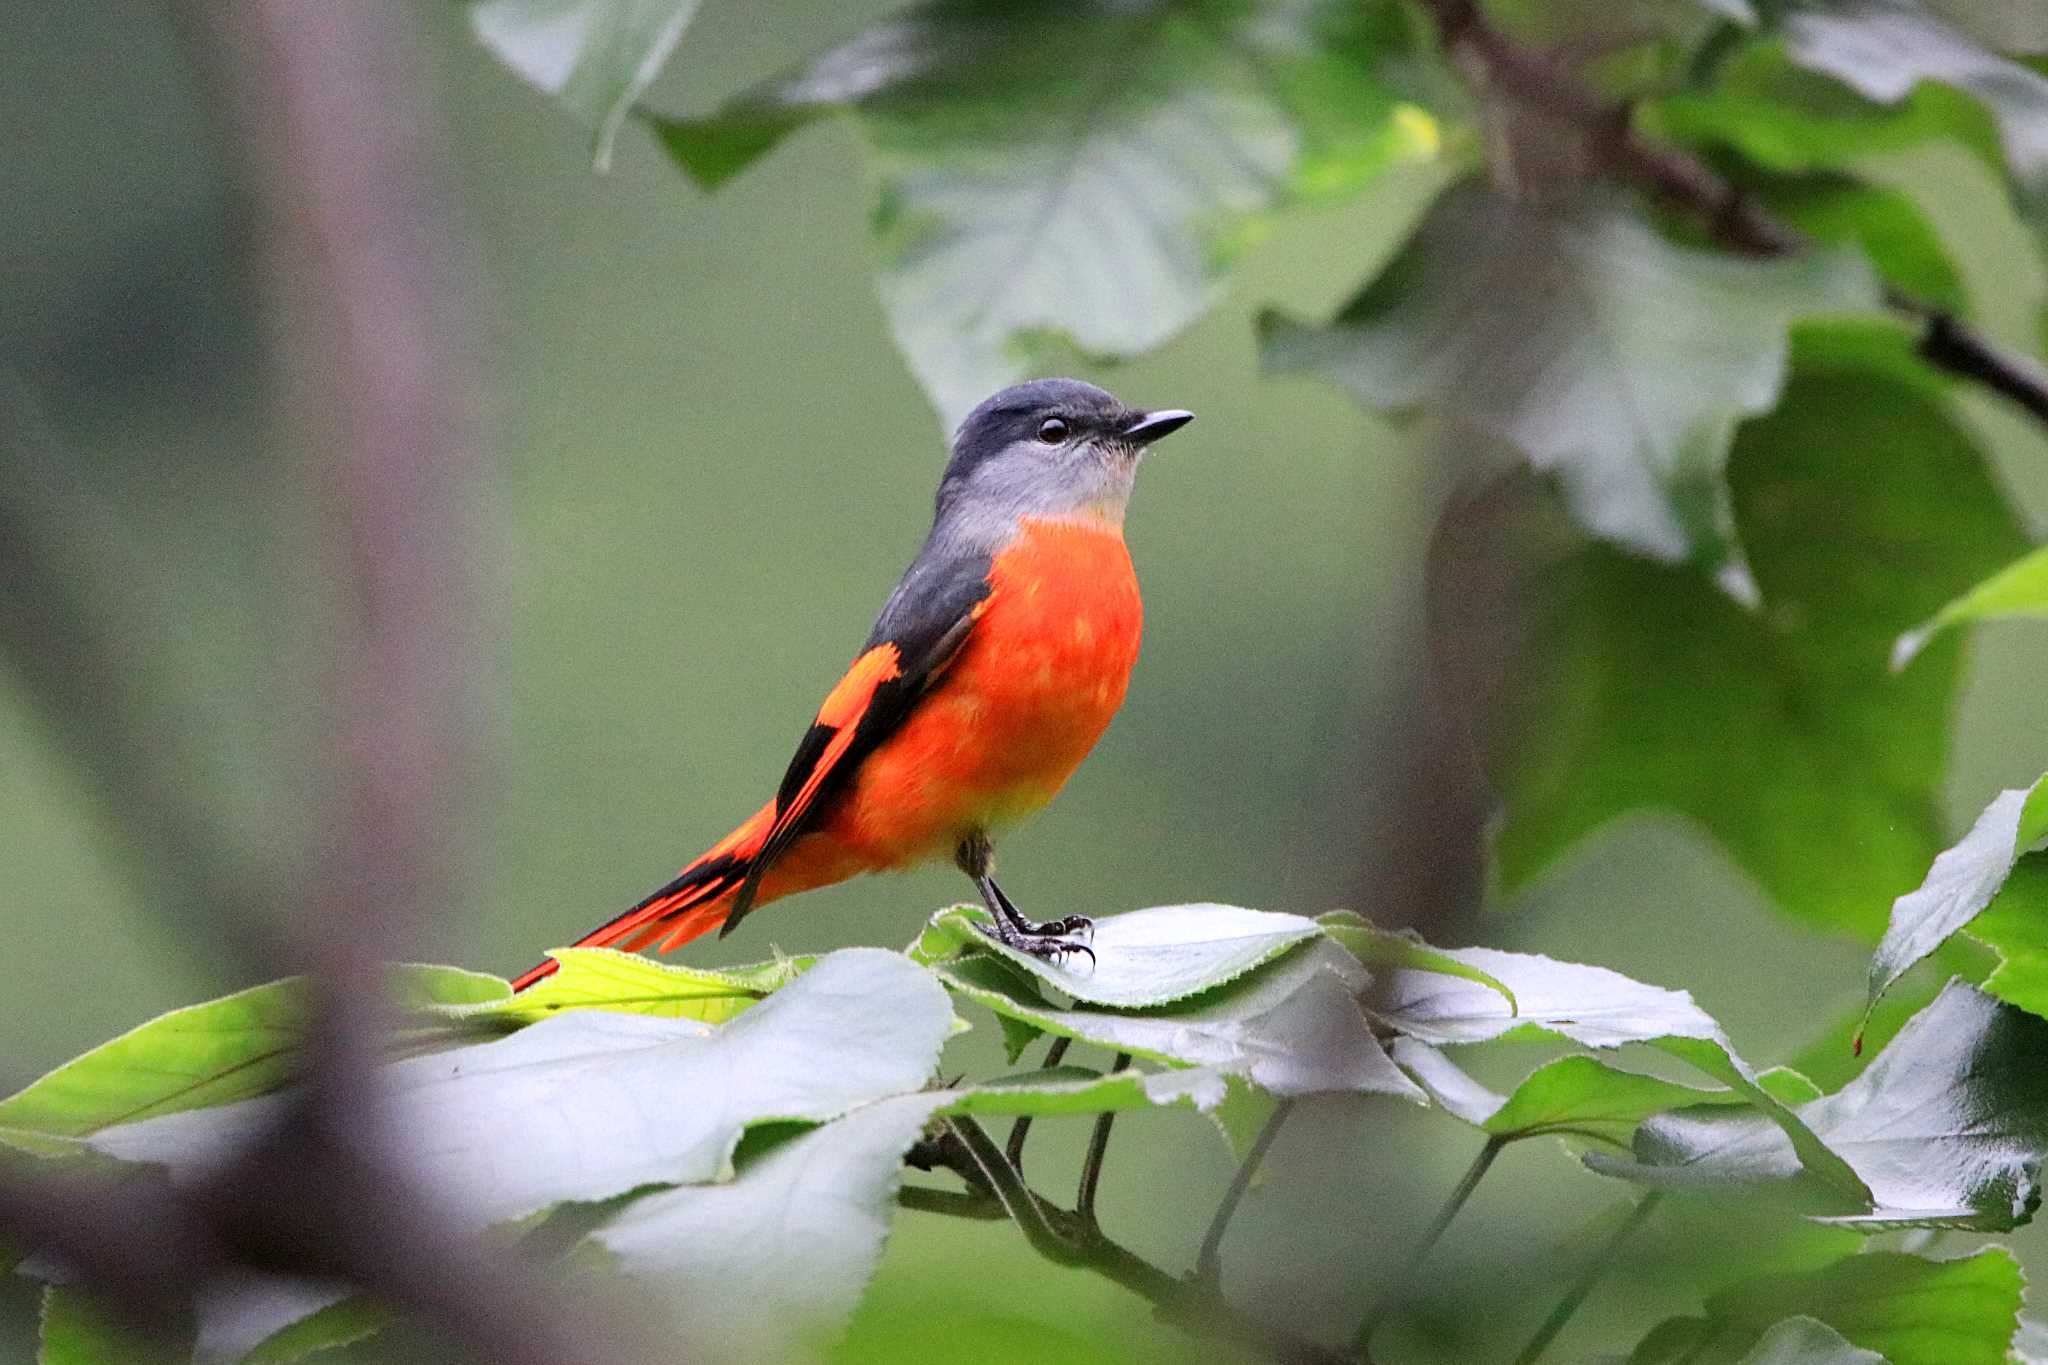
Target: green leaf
<point>590,1103</point>
<point>596,56</point>
<point>1807,1341</point>
<point>2015,926</point>
<point>1948,1127</point>
<point>1081,168</point>
<point>601,978</point>
<point>1291,1027</point>
<point>1885,224</point>
<point>1145,957</point>
<point>1597,1008</point>
<point>1572,1097</point>
<point>1779,731</point>
<point>1606,354</point>
<point>75,1331</point>
<point>1961,883</point>
<point>337,1324</point>
<point>1908,1310</point>
<point>2019,589</point>
<point>234,1048</point>
<point>1377,947</point>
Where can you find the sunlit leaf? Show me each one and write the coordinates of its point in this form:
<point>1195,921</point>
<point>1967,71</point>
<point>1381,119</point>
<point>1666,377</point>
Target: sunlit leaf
<point>2020,589</point>
<point>591,1103</point>
<point>1908,1310</point>
<point>1961,883</point>
<point>1081,168</point>
<point>1145,957</point>
<point>602,978</point>
<point>1610,685</point>
<point>1948,1127</point>
<point>239,1046</point>
<point>595,56</point>
<point>1606,354</point>
<point>1598,1008</point>
<point>1291,1027</point>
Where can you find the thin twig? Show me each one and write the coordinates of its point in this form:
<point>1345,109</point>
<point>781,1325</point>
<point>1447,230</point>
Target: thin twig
<point>1398,1289</point>
<point>1098,1148</point>
<point>1021,1129</point>
<point>1067,1238</point>
<point>1730,215</point>
<point>1576,1295</point>
<point>1209,1260</point>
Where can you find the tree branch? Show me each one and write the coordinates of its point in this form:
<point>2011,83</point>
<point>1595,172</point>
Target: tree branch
<point>1394,1292</point>
<point>1071,1238</point>
<point>1591,1276</point>
<point>1021,1129</point>
<point>1209,1260</point>
<point>1730,216</point>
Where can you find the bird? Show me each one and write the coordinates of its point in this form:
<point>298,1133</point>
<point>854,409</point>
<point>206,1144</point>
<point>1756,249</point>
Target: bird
<point>994,667</point>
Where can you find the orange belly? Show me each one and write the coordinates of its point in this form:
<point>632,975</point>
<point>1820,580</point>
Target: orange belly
<point>998,735</point>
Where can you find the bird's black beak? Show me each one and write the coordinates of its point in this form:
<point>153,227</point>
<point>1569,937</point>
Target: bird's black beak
<point>1152,425</point>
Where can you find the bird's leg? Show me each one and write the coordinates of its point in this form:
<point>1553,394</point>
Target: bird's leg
<point>1052,941</point>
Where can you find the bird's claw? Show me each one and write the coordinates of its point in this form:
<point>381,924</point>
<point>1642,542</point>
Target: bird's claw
<point>1054,942</point>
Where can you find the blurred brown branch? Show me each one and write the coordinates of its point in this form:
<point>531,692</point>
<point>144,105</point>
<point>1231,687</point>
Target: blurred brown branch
<point>328,99</point>
<point>1547,85</point>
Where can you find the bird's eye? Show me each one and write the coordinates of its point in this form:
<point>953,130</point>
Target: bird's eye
<point>1052,431</point>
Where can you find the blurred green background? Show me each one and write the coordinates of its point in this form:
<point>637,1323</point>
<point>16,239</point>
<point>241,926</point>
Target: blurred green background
<point>708,466</point>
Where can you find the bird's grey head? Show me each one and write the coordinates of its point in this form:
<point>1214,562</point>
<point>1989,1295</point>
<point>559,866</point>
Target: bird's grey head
<point>1050,448</point>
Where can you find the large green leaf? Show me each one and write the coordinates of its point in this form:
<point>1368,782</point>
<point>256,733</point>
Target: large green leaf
<point>1572,1097</point>
<point>1081,168</point>
<point>1604,353</point>
<point>1908,1310</point>
<point>588,1104</point>
<point>2018,589</point>
<point>1961,883</point>
<point>1948,1127</point>
<point>1615,685</point>
<point>1377,947</point>
<point>602,978</point>
<point>1839,79</point>
<point>1597,1008</point>
<point>1144,957</point>
<point>595,56</point>
<point>2015,925</point>
<point>239,1046</point>
<point>1291,1027</point>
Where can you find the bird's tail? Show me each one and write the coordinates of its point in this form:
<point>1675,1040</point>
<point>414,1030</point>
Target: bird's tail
<point>695,902</point>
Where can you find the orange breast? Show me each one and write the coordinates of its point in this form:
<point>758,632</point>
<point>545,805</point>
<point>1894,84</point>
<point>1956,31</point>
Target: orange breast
<point>1031,691</point>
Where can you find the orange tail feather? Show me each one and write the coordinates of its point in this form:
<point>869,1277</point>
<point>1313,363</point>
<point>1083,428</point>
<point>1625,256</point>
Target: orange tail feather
<point>695,902</point>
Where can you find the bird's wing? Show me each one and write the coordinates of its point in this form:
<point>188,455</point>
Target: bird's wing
<point>927,619</point>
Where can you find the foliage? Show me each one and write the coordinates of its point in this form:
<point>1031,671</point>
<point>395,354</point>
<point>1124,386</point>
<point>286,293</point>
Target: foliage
<point>1727,577</point>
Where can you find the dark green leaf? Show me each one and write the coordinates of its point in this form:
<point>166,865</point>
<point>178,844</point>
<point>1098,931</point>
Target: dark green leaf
<point>1572,1097</point>
<point>1886,225</point>
<point>2016,927</point>
<point>2020,589</point>
<point>1948,1127</point>
<point>1619,685</point>
<point>1909,1310</point>
<point>1081,168</point>
<point>1606,354</point>
<point>1291,1027</point>
<point>76,1330</point>
<point>1960,884</point>
<point>1145,957</point>
<point>595,56</point>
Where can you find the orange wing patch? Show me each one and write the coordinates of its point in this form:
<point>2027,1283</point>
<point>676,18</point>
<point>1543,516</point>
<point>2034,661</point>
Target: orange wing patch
<point>842,710</point>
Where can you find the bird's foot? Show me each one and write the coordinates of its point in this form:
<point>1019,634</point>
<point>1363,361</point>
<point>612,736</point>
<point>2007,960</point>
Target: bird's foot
<point>1055,941</point>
